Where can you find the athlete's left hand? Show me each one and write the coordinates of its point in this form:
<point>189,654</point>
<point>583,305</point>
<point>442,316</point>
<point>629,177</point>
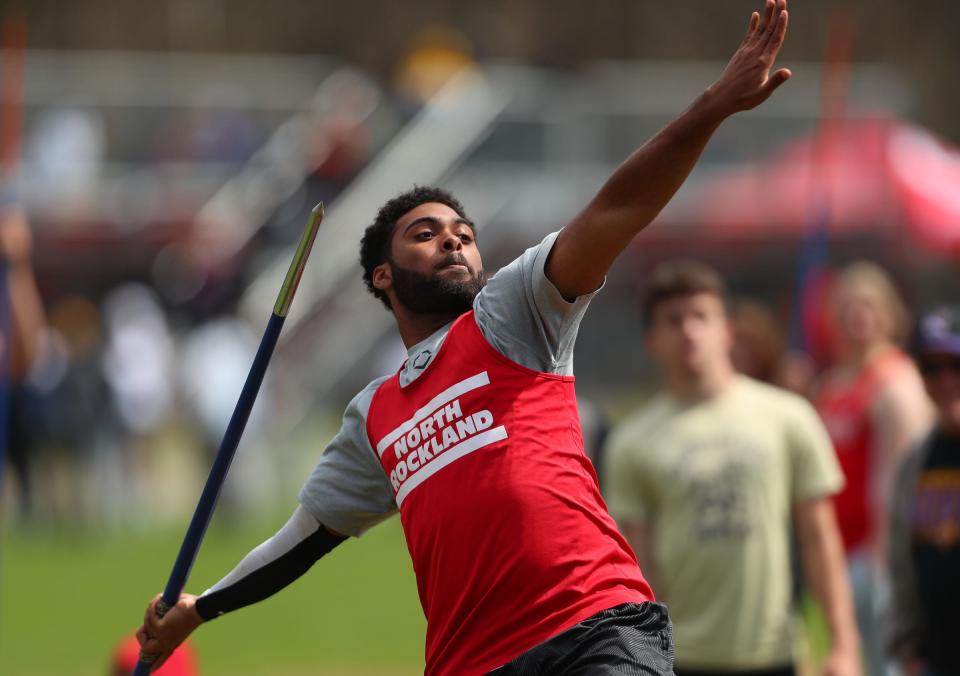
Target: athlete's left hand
<point>160,636</point>
<point>747,82</point>
<point>841,662</point>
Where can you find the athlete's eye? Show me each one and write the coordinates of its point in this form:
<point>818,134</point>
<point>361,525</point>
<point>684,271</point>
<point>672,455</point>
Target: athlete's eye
<point>465,238</point>
<point>424,235</point>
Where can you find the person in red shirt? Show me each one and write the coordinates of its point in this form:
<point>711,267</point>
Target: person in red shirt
<point>183,661</point>
<point>874,407</point>
<point>476,440</point>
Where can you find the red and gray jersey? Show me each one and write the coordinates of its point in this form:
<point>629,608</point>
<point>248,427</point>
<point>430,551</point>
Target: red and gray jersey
<point>524,318</point>
<point>526,329</point>
<point>510,540</point>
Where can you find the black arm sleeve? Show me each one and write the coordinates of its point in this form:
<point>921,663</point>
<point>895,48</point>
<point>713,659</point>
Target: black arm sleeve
<point>269,579</point>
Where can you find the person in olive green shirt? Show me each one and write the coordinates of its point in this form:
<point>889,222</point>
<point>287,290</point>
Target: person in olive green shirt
<point>705,481</point>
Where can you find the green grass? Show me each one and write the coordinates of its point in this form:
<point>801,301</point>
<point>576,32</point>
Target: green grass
<point>65,600</point>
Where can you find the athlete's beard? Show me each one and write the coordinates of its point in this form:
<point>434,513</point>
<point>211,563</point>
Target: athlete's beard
<point>435,294</point>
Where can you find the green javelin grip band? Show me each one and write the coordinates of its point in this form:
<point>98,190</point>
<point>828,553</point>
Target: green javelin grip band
<point>282,306</point>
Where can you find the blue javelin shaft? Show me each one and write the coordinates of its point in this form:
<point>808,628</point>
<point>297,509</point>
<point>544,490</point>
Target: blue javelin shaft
<point>231,438</point>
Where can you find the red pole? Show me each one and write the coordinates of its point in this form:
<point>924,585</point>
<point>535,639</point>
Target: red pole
<point>14,40</point>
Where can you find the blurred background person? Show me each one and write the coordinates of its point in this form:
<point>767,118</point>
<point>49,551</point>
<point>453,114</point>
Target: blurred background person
<point>21,330</point>
<point>139,368</point>
<point>595,427</point>
<point>183,661</point>
<point>214,359</point>
<point>705,481</point>
<point>758,341</point>
<point>67,419</point>
<point>874,407</point>
<point>760,349</point>
<point>925,514</point>
<point>435,54</point>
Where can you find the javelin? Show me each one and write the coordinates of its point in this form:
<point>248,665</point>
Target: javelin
<point>228,446</point>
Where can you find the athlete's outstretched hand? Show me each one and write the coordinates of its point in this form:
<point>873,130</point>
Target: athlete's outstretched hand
<point>641,186</point>
<point>747,82</point>
<point>159,637</point>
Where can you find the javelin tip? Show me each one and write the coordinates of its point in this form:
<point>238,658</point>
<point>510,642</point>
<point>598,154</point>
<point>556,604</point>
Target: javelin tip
<point>295,271</point>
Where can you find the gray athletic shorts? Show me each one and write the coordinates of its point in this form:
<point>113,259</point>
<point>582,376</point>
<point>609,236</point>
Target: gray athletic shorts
<point>634,639</point>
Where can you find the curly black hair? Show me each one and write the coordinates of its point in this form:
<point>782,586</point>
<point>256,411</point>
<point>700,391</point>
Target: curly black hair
<point>375,245</point>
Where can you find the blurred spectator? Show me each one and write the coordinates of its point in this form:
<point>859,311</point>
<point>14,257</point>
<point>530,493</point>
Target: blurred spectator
<point>595,428</point>
<point>925,514</point>
<point>705,481</point>
<point>69,412</point>
<point>21,328</point>
<point>139,368</point>
<point>435,55</point>
<point>139,358</point>
<point>760,349</point>
<point>758,342</point>
<point>874,407</point>
<point>217,128</point>
<point>183,661</point>
<point>340,140</point>
<point>64,149</point>
<point>215,360</point>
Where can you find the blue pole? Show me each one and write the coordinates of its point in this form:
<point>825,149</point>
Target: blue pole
<point>813,258</point>
<point>231,438</point>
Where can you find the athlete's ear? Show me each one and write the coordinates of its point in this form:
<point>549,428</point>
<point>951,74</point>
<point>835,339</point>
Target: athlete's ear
<point>383,276</point>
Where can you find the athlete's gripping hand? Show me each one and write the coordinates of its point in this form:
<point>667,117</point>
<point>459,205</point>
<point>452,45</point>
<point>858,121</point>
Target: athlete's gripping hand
<point>160,636</point>
<point>747,82</point>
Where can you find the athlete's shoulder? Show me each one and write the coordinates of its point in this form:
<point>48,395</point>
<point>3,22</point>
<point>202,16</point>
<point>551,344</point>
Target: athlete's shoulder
<point>360,404</point>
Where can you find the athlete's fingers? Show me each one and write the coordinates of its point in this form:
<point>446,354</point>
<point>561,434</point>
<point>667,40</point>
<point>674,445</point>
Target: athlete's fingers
<point>767,15</point>
<point>752,26</point>
<point>151,646</point>
<point>776,40</point>
<point>142,636</point>
<point>152,621</point>
<point>151,611</point>
<point>774,22</point>
<point>775,80</point>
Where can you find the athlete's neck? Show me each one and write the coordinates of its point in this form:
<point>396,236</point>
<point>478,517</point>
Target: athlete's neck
<point>415,327</point>
<point>692,386</point>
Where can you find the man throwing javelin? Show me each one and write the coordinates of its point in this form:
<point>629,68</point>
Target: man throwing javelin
<point>476,440</point>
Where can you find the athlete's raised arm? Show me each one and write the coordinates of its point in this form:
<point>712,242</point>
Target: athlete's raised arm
<point>637,191</point>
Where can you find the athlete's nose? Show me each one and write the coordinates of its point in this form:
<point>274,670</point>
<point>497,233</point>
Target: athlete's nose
<point>452,242</point>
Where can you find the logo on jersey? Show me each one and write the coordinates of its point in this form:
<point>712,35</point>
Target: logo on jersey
<point>438,434</point>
